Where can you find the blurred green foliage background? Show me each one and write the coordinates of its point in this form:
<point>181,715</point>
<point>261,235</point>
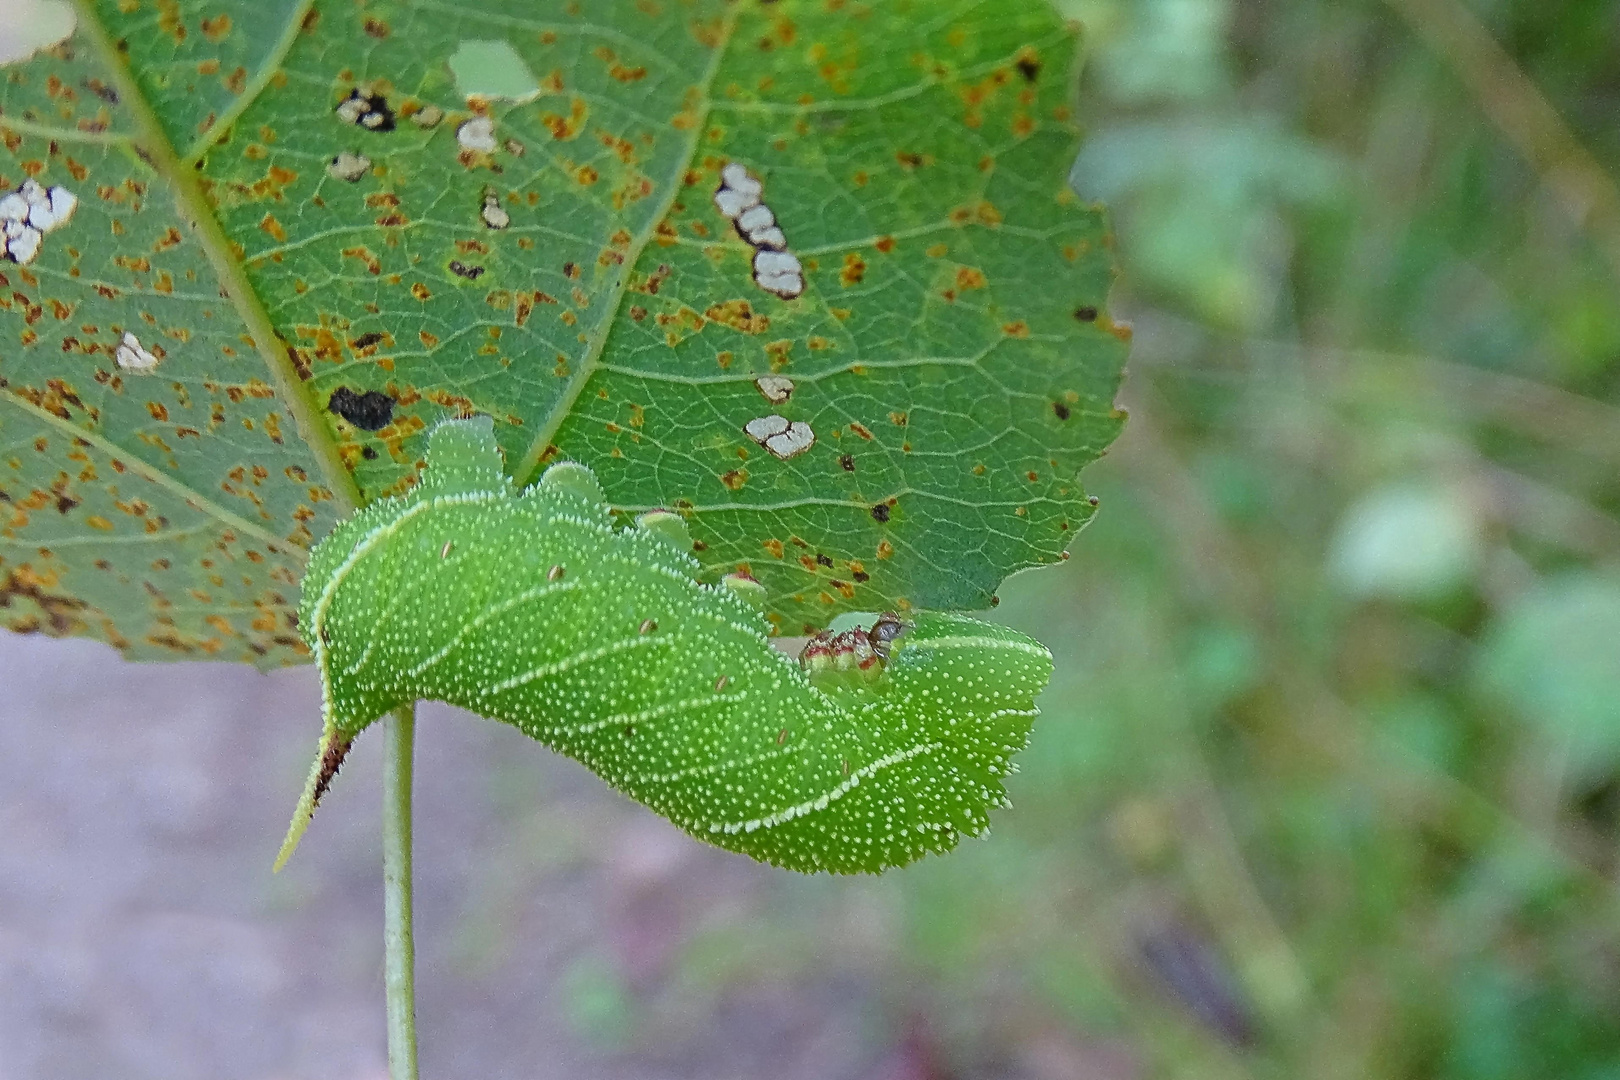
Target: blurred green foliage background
<point>1326,783</point>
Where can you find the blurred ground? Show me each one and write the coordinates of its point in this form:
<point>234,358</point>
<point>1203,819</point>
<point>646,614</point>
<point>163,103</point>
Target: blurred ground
<point>1328,781</point>
<point>145,937</point>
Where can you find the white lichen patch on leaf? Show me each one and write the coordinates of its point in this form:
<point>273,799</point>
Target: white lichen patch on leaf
<point>758,226</point>
<point>366,110</point>
<point>132,356</point>
<point>779,272</point>
<point>666,687</point>
<point>740,198</point>
<point>779,436</point>
<point>30,212</point>
<point>349,166</point>
<point>477,133</point>
<point>776,388</point>
<point>428,116</point>
<point>493,213</point>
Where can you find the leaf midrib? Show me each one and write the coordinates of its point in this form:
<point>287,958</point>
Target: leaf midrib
<point>152,145</point>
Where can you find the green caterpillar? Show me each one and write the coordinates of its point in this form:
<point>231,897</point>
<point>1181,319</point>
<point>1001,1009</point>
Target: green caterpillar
<point>532,608</point>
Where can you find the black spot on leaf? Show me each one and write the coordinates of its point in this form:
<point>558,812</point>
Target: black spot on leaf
<point>847,462</point>
<point>880,513</point>
<point>1029,68</point>
<point>369,453</point>
<point>461,269</point>
<point>1087,313</point>
<point>823,560</point>
<point>368,411</point>
<point>365,341</point>
<point>1060,410</point>
<point>101,90</point>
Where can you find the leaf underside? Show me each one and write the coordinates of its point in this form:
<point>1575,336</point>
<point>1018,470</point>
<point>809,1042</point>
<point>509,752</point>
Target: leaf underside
<point>951,351</point>
<point>601,643</point>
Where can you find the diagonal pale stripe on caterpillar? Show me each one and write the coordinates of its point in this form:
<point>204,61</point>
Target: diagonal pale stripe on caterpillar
<point>532,608</point>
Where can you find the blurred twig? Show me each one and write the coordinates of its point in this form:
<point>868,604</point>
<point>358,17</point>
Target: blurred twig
<point>1220,874</point>
<point>1580,425</point>
<point>1531,408</point>
<point>1516,106</point>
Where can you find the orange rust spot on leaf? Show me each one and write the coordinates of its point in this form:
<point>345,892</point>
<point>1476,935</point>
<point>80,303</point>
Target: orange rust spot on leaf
<point>739,315</point>
<point>968,277</point>
<point>270,225</point>
<point>364,254</point>
<point>618,70</point>
<point>563,128</point>
<point>854,270</point>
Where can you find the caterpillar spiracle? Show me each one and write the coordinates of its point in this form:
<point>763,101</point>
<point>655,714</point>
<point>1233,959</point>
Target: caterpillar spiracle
<point>532,608</point>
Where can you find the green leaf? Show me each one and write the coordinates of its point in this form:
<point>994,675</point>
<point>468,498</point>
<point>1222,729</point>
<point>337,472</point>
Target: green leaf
<point>321,282</point>
<point>602,644</point>
<point>1554,657</point>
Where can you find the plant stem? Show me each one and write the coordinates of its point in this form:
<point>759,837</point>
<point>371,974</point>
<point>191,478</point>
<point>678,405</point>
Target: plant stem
<point>398,944</point>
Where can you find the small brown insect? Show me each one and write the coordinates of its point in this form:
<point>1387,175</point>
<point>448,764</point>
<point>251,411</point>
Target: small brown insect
<point>555,573</point>
<point>444,552</point>
<point>884,632</point>
<point>648,626</point>
<point>721,683</point>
